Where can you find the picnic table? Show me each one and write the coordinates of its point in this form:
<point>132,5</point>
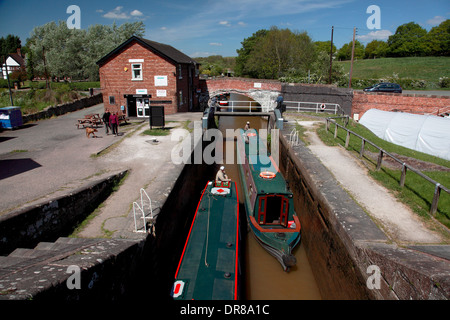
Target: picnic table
<point>89,120</point>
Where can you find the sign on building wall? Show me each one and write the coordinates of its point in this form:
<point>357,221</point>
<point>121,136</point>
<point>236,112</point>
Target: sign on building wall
<point>160,81</point>
<point>161,93</point>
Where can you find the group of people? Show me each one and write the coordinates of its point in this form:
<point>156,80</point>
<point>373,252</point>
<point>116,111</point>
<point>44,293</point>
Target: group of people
<point>111,121</point>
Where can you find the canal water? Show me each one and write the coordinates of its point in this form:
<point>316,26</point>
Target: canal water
<point>264,276</point>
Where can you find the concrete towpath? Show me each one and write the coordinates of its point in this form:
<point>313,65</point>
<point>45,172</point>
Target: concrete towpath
<point>50,158</point>
<point>397,220</point>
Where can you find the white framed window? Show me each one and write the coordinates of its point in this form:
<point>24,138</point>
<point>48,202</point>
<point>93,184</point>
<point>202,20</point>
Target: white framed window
<point>136,71</point>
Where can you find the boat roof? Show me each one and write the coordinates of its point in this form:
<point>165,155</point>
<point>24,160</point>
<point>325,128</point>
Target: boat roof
<point>207,268</point>
<point>260,160</point>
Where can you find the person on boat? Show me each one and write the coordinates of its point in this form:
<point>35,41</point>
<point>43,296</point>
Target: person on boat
<point>221,175</point>
<point>247,126</point>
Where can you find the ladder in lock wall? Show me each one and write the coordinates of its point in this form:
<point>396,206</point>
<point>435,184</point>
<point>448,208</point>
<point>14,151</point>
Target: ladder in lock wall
<point>139,212</point>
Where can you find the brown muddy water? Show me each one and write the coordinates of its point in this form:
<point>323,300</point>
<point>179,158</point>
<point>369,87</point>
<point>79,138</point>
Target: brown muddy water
<point>264,276</point>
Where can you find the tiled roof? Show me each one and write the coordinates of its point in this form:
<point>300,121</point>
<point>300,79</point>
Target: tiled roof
<point>164,50</point>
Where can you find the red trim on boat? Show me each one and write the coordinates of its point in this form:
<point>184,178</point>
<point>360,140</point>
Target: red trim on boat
<point>236,271</point>
<point>189,234</point>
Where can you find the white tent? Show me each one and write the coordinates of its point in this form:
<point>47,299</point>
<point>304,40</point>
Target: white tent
<point>425,133</point>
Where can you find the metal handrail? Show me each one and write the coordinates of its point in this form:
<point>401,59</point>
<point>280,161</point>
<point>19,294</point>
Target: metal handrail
<point>141,211</point>
<point>405,166</point>
<point>314,106</point>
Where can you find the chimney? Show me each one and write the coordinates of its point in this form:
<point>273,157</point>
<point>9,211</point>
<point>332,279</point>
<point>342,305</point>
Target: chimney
<point>19,52</point>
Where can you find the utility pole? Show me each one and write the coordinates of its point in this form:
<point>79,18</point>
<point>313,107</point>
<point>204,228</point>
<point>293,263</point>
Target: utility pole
<point>331,55</point>
<point>353,56</point>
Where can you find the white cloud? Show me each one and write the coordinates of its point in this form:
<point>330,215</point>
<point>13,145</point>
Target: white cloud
<point>436,20</point>
<point>217,44</point>
<point>136,13</point>
<point>119,14</point>
<point>375,35</point>
<point>225,23</point>
<point>116,14</point>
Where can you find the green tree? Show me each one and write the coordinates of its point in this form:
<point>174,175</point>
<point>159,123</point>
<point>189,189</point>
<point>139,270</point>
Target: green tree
<point>376,49</point>
<point>438,39</point>
<point>73,53</point>
<point>345,53</point>
<point>325,46</point>
<point>408,41</point>
<point>9,44</point>
<point>280,53</point>
<point>244,53</point>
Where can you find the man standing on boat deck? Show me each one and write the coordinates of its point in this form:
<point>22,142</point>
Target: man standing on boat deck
<point>221,175</point>
<point>247,126</point>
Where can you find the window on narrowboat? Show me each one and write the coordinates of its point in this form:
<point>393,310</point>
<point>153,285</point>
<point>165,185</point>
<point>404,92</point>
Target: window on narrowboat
<point>273,210</point>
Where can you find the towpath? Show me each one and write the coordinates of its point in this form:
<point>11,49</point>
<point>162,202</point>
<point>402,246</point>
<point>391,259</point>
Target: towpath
<point>396,219</point>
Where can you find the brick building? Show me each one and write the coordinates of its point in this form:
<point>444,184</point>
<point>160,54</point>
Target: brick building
<point>141,73</point>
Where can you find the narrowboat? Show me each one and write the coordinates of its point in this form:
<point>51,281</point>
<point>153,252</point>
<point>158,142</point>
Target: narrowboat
<point>209,265</point>
<point>268,201</point>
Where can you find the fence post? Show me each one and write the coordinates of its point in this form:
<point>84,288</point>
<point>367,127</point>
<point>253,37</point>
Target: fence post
<point>328,124</point>
<point>361,152</point>
<point>434,205</point>
<point>335,129</point>
<point>403,176</point>
<point>380,159</point>
<point>347,139</point>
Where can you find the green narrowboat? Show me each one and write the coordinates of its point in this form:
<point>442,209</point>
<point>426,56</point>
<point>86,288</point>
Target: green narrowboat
<point>209,265</point>
<point>268,202</point>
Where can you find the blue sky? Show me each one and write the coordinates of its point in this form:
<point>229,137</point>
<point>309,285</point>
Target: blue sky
<point>209,27</point>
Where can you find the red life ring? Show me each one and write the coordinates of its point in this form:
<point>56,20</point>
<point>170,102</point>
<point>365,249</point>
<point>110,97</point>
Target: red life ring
<point>251,134</point>
<point>267,175</point>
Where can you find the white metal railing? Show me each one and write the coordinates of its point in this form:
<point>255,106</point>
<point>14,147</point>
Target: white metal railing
<point>241,106</point>
<point>293,138</point>
<point>298,106</point>
<point>140,210</point>
<point>313,106</point>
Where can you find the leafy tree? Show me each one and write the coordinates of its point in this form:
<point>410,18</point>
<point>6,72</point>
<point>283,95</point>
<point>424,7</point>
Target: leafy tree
<point>376,49</point>
<point>408,41</point>
<point>438,39</point>
<point>345,53</point>
<point>9,44</point>
<point>324,46</point>
<point>244,53</point>
<point>73,53</point>
<point>278,53</point>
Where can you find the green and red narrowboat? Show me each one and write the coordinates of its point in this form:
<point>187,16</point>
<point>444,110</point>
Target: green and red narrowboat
<point>268,202</point>
<point>209,265</point>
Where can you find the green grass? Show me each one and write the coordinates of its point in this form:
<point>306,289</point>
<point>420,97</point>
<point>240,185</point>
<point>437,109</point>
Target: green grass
<point>417,192</point>
<point>429,69</point>
<point>157,132</point>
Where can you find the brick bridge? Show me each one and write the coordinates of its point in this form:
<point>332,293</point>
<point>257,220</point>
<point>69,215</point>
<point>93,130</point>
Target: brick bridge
<point>352,102</point>
<point>262,91</point>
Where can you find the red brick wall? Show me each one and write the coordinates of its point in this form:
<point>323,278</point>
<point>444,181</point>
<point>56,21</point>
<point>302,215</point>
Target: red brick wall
<point>115,81</point>
<point>411,103</point>
<point>242,84</point>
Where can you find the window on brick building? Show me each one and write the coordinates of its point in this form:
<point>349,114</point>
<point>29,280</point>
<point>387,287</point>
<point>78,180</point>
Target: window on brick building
<point>136,71</point>
<point>112,100</point>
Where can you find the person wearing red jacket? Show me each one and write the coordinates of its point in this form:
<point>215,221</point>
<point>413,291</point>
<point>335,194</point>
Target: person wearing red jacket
<point>114,123</point>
